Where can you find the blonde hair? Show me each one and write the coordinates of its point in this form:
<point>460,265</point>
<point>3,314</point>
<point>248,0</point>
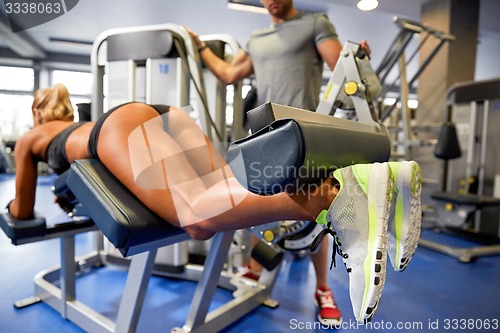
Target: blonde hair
<point>53,103</point>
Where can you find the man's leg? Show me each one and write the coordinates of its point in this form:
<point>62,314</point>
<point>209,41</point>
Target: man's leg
<point>320,260</point>
<point>328,313</point>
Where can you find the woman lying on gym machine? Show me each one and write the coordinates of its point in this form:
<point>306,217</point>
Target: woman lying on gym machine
<point>163,158</point>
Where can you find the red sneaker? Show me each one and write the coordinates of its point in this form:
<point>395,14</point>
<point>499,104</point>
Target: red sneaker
<point>328,314</point>
<point>249,273</point>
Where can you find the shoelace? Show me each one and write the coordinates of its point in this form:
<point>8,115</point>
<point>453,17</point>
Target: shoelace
<point>326,300</point>
<point>336,245</point>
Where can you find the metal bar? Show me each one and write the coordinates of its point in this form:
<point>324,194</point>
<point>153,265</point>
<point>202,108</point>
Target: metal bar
<point>420,45</point>
<point>405,111</point>
<point>68,272</point>
<point>483,143</point>
<point>471,140</point>
<point>237,129</point>
<point>462,254</point>
<point>410,25</point>
<point>138,276</point>
<point>426,62</point>
<point>88,319</point>
<point>131,93</point>
<point>403,43</point>
<point>231,311</point>
<point>332,89</point>
<point>446,181</point>
<point>247,297</point>
<point>389,55</point>
<point>207,285</point>
<point>415,77</point>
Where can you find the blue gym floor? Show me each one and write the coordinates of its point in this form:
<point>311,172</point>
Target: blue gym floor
<point>435,293</point>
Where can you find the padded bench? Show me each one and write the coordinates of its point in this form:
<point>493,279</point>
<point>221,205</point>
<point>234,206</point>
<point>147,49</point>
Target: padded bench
<point>129,225</point>
<point>453,210</point>
<point>286,140</point>
<point>125,221</point>
<point>466,199</point>
<point>20,229</point>
<point>37,229</point>
<point>137,232</point>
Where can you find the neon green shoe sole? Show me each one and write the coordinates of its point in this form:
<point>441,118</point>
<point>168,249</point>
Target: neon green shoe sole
<point>406,214</point>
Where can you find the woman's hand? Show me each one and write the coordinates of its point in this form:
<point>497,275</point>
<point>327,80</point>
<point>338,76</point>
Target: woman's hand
<point>64,202</point>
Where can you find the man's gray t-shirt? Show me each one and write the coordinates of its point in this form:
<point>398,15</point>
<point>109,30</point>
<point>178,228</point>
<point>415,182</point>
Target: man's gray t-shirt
<point>288,68</point>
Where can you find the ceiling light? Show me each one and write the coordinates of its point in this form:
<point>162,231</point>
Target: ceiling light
<point>367,4</point>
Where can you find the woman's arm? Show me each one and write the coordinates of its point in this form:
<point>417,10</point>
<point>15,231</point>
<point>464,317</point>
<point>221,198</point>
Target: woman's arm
<point>26,175</point>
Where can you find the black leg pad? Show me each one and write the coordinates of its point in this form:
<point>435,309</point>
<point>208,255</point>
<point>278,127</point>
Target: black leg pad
<point>290,153</point>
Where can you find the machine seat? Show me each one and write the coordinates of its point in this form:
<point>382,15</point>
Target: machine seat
<point>16,229</point>
<point>123,219</point>
<point>466,199</point>
<point>37,228</point>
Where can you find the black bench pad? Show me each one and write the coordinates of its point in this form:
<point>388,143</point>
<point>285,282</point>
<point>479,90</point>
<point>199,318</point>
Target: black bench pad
<point>17,229</point>
<point>466,199</point>
<point>123,219</point>
<point>289,153</point>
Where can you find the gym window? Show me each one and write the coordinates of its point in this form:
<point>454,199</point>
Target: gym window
<point>17,79</point>
<point>79,85</point>
<point>16,94</point>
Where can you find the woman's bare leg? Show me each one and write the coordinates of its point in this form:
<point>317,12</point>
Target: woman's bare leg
<point>172,188</point>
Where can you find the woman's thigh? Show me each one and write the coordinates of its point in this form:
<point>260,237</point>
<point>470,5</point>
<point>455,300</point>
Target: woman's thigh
<point>141,155</point>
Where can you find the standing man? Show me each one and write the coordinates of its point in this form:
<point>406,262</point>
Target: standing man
<point>287,60</point>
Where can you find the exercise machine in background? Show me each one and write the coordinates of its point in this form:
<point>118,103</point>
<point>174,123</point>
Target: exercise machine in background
<point>5,157</point>
<point>468,146</point>
<point>305,139</point>
<point>159,65</point>
<point>398,73</point>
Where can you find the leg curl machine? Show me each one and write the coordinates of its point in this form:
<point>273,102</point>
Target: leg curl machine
<point>291,149</point>
<point>466,146</point>
<point>293,139</point>
<point>137,232</point>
